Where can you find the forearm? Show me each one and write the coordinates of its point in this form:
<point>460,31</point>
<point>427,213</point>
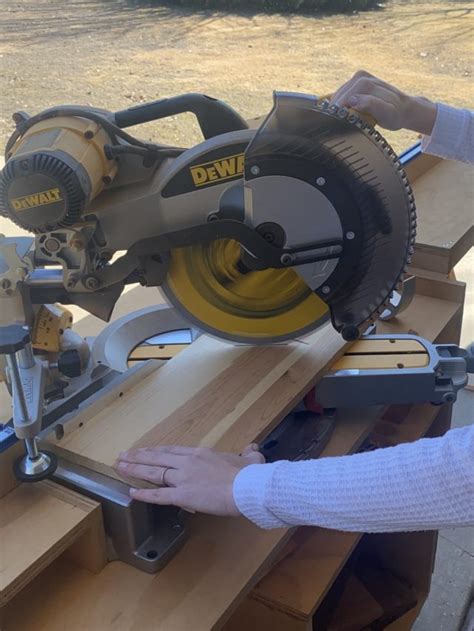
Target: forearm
<point>419,486</point>
<point>419,114</point>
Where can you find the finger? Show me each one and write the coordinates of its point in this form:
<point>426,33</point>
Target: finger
<point>336,96</point>
<point>161,450</point>
<point>249,450</point>
<point>156,475</point>
<point>178,450</point>
<point>360,85</point>
<point>378,91</point>
<point>256,458</point>
<point>360,74</point>
<point>164,496</point>
<point>379,109</point>
<point>154,456</point>
<point>252,454</point>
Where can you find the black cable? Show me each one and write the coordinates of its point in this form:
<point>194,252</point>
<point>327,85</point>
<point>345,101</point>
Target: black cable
<point>112,151</point>
<point>113,130</point>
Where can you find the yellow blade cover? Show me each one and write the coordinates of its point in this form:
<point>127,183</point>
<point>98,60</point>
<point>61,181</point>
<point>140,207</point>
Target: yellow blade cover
<point>206,284</point>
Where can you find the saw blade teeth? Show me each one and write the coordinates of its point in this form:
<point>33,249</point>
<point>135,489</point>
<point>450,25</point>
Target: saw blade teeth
<point>392,156</point>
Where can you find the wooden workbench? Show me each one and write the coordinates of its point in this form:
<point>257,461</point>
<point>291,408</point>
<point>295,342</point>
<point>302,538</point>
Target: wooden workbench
<point>229,574</point>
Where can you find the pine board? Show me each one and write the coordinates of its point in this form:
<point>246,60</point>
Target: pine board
<point>444,197</point>
<point>212,394</point>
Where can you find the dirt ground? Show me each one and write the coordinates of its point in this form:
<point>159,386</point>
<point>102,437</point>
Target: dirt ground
<point>117,53</point>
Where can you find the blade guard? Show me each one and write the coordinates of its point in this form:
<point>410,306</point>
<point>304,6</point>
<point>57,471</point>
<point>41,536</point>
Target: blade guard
<point>367,186</point>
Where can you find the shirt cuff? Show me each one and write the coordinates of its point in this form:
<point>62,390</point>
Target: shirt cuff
<point>250,489</point>
<point>448,132</point>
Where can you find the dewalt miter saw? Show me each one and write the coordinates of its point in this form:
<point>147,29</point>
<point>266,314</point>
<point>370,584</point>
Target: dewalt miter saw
<point>256,236</point>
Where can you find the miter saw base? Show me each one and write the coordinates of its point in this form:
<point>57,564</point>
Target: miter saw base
<point>142,535</point>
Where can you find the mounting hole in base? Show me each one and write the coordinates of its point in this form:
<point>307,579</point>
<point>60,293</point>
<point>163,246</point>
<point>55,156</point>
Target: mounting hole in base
<point>151,554</point>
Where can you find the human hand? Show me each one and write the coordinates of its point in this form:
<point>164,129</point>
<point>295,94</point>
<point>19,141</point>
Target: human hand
<point>389,106</point>
<point>196,479</point>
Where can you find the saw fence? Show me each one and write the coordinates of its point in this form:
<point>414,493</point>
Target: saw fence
<point>229,574</point>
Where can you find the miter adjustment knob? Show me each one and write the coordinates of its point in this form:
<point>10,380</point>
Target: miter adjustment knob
<point>69,363</point>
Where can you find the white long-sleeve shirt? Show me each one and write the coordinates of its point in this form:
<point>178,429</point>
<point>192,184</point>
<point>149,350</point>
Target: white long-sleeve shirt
<point>425,485</point>
<point>452,136</point>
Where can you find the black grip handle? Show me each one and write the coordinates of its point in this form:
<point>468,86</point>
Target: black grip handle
<point>13,338</point>
<point>214,117</point>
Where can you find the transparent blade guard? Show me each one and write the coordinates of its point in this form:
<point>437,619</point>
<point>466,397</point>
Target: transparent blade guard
<point>367,186</point>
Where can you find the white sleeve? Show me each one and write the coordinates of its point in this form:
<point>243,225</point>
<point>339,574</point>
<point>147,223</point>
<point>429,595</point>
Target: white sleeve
<point>452,136</point>
<point>424,485</point>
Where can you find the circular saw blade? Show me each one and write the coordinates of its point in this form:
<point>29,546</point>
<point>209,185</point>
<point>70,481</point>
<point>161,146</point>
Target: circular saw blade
<point>206,283</point>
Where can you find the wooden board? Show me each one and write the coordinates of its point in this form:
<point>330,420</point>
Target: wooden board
<point>37,523</point>
<point>444,197</point>
<point>306,570</point>
<point>420,164</point>
<point>217,395</point>
<point>212,394</point>
<point>423,317</point>
<point>357,608</point>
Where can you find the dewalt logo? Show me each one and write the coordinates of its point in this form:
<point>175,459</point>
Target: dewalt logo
<point>218,170</point>
<point>43,198</point>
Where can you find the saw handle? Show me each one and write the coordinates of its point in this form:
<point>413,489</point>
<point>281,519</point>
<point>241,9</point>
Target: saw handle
<point>214,117</point>
<point>370,120</point>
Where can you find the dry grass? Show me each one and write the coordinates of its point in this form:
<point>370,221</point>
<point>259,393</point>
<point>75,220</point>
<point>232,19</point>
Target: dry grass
<point>118,53</point>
